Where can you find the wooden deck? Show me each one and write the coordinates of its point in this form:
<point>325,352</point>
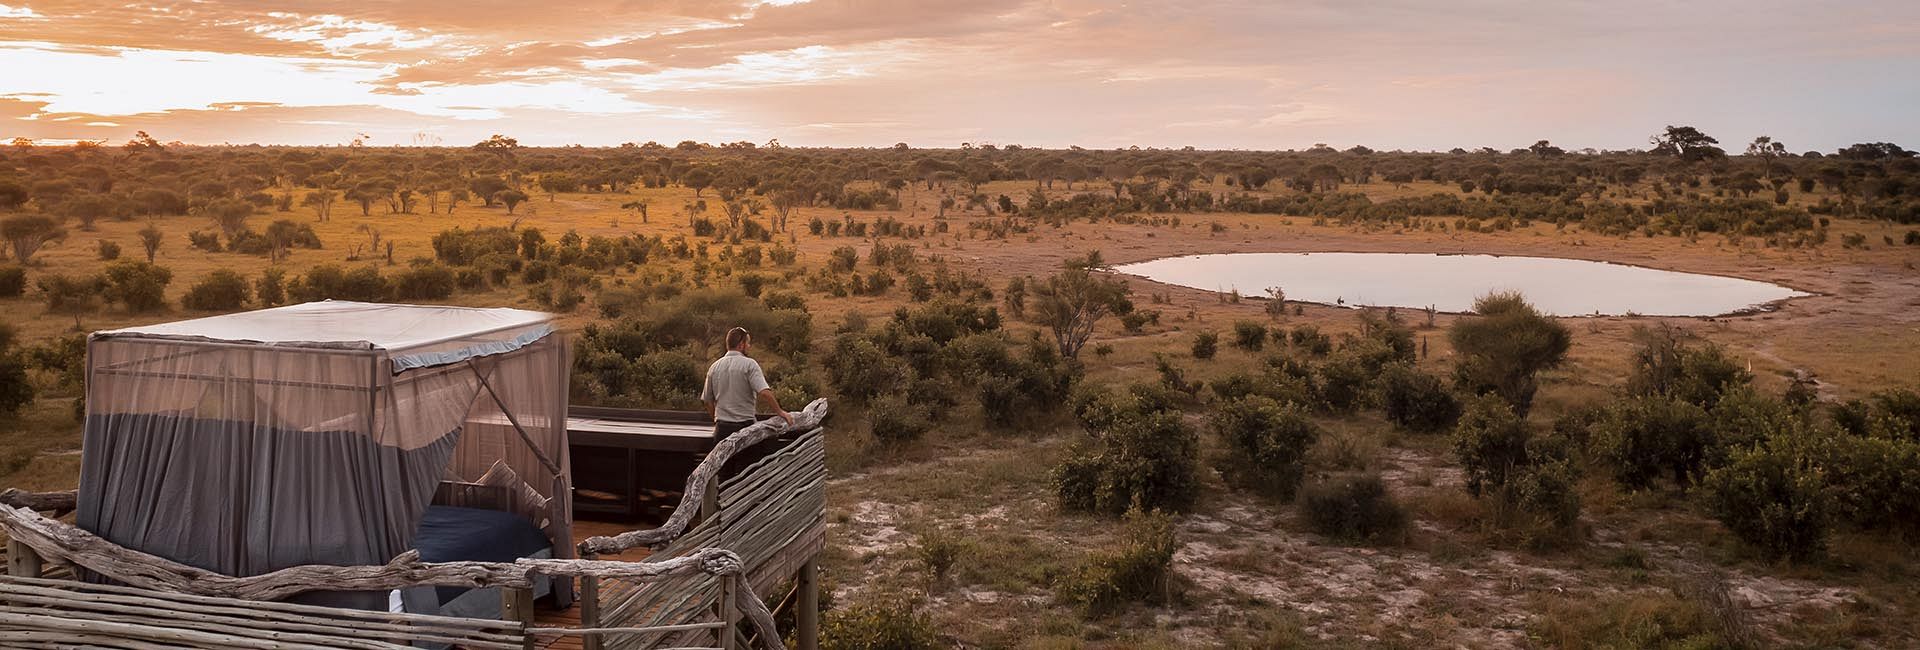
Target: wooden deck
<point>546,616</point>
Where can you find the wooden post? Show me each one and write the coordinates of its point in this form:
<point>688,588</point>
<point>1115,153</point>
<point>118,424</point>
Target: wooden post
<point>729,614</point>
<point>516,604</point>
<point>590,607</point>
<point>22,560</point>
<point>806,621</point>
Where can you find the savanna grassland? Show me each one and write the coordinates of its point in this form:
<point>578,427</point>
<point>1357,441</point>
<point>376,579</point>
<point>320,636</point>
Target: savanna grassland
<point>1031,451</point>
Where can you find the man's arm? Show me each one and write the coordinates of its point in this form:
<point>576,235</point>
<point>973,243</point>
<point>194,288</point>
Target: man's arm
<point>707,397</point>
<point>766,395</point>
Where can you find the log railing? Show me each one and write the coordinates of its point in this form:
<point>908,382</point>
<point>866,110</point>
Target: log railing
<point>35,538</point>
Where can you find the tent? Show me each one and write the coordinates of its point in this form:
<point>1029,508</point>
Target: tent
<point>325,433</point>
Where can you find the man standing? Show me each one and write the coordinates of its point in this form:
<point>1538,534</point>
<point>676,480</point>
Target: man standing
<point>735,385</point>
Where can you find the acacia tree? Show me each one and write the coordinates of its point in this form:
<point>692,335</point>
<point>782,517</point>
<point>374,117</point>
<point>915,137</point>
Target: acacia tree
<point>26,233</point>
<point>73,296</point>
<point>150,239</point>
<point>1071,302</point>
<point>230,215</point>
<point>1767,151</point>
<point>322,203</point>
<point>698,178</point>
<point>511,198</point>
<point>639,206</point>
<point>1501,350</point>
<point>1687,143</point>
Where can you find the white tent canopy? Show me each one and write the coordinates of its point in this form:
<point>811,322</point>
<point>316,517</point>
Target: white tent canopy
<point>318,433</point>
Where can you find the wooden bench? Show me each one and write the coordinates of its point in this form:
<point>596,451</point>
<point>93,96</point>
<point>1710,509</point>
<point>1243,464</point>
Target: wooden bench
<point>41,613</point>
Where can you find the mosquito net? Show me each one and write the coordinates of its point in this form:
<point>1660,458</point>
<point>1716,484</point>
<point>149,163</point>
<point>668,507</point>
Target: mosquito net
<point>317,433</point>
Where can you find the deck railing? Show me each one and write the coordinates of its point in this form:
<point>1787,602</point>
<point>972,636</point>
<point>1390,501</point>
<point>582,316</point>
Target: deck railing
<point>701,583</point>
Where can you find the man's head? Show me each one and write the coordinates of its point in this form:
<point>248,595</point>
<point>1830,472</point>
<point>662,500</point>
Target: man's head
<point>738,339</point>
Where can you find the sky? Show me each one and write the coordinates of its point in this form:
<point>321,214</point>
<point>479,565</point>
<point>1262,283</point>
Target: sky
<point>1213,74</point>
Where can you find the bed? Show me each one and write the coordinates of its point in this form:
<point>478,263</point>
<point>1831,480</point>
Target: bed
<point>451,533</point>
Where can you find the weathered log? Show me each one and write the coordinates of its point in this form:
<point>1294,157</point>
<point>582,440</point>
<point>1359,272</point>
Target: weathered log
<point>702,480</point>
<point>56,502</point>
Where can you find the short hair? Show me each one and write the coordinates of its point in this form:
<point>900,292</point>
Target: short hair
<point>736,336</point>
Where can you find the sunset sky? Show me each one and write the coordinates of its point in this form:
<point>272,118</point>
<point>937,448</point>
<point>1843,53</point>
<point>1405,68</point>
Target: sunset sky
<point>1249,74</point>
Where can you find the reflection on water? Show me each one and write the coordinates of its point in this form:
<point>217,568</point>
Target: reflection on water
<point>1451,282</point>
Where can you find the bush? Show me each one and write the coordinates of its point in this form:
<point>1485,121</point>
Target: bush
<point>138,284</point>
<point>423,282</point>
<point>221,290</point>
<point>858,370</point>
<point>1266,445</point>
<point>1139,571</point>
<point>1643,438</point>
<point>271,288</point>
<point>887,625</point>
<point>109,251</point>
<point>329,282</point>
<point>940,552</point>
<point>1491,443</point>
<point>16,390</point>
<point>205,241</point>
<point>13,281</point>
<point>895,421</point>
<point>1355,509</point>
<point>1205,343</point>
<point>1502,349</point>
<point>1544,502</point>
<point>1308,339</point>
<point>1249,335</point>
<point>1416,401</point>
<point>1138,457</point>
<point>1772,497</point>
<point>1667,364</point>
<point>1875,483</point>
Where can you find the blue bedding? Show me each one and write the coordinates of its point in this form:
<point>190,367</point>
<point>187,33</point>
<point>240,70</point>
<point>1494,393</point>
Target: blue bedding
<point>450,534</point>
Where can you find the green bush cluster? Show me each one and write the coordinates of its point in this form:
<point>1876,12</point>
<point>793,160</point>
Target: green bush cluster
<point>879,625</point>
<point>1265,444</point>
<point>1139,453</point>
<point>1416,401</point>
<point>1354,509</point>
<point>221,290</point>
<point>1140,570</point>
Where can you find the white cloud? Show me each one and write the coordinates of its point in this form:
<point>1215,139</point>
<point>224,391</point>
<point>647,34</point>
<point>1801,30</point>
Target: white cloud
<point>22,12</point>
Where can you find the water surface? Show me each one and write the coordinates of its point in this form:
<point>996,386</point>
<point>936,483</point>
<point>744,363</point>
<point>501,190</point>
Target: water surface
<point>1451,282</point>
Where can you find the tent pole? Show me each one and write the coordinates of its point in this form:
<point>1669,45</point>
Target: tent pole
<point>545,461</point>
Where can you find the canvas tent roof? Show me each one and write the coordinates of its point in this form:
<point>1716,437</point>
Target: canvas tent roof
<point>426,334</point>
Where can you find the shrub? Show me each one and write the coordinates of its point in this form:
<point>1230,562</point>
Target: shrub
<point>895,421</point>
<point>1138,457</point>
<point>1308,339</point>
<point>1491,443</point>
<point>1355,509</point>
<point>859,370</point>
<point>1266,444</point>
<point>271,288</point>
<point>221,290</point>
<point>330,282</point>
<point>1666,363</point>
<point>16,390</point>
<point>1139,571</point>
<point>885,625</point>
<point>1249,335</point>
<point>423,282</point>
<point>138,284</point>
<point>1544,502</point>
<point>1502,349</point>
<point>205,241</point>
<point>1205,343</point>
<point>13,281</point>
<point>1340,384</point>
<point>752,283</point>
<point>784,300</point>
<point>940,551</point>
<point>1875,482</point>
<point>1772,497</point>
<point>843,259</point>
<point>1642,438</point>
<point>109,251</point>
<point>1416,401</point>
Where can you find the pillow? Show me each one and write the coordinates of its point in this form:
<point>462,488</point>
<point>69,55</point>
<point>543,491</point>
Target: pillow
<point>523,499</point>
